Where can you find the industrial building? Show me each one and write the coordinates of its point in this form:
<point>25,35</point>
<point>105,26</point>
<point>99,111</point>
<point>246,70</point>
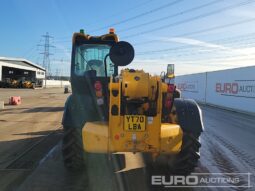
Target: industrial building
<point>15,72</point>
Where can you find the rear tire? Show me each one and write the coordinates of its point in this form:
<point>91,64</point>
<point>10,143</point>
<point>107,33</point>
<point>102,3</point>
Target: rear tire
<point>72,149</point>
<point>177,93</point>
<point>185,162</point>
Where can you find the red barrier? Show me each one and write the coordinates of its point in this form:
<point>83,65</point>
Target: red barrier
<point>15,100</point>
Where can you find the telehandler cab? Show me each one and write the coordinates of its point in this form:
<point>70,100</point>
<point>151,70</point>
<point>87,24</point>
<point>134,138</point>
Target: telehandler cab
<point>132,111</point>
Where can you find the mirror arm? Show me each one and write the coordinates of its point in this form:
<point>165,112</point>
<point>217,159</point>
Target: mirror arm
<point>105,66</point>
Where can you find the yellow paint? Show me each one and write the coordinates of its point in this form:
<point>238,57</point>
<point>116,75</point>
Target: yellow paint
<point>171,138</point>
<point>135,84</point>
<point>95,137</point>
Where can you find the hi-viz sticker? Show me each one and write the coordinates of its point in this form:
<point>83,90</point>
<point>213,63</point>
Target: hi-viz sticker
<point>150,120</point>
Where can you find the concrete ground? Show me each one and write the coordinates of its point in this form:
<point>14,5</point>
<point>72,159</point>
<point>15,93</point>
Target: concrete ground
<point>23,126</point>
<point>227,147</point>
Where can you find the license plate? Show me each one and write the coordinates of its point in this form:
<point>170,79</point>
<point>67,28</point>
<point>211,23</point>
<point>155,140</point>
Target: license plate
<point>134,123</point>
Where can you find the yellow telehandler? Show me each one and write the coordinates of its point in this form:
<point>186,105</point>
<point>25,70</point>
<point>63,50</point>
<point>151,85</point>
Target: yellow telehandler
<point>130,111</point>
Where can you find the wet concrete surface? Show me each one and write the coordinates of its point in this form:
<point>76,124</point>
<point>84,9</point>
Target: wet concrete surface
<point>227,148</point>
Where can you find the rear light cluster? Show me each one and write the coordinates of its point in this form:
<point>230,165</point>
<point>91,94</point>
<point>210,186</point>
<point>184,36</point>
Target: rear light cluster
<point>170,88</point>
<point>169,96</point>
<point>99,92</point>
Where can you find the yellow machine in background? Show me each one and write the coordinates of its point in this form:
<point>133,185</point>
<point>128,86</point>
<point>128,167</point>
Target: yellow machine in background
<point>14,84</point>
<point>17,83</point>
<point>27,84</point>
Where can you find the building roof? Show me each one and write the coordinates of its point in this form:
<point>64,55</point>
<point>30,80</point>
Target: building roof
<point>22,62</point>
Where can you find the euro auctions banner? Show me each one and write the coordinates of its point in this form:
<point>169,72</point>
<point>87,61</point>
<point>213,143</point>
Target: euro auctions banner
<point>238,88</point>
<point>188,86</point>
<point>232,88</point>
<point>192,86</point>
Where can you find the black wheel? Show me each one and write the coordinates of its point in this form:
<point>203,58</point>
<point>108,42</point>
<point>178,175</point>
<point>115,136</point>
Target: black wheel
<point>185,162</point>
<point>72,150</point>
<point>177,93</point>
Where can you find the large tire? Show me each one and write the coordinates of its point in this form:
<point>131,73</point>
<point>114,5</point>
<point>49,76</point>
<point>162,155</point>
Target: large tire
<point>177,93</point>
<point>185,162</point>
<point>72,149</point>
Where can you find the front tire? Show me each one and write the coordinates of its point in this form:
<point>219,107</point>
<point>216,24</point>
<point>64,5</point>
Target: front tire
<point>72,149</point>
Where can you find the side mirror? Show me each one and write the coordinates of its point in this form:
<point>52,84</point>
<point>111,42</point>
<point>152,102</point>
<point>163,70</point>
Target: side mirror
<point>122,53</point>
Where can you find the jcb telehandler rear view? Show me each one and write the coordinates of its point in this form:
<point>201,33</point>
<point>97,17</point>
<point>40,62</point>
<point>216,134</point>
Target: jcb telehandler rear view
<point>132,111</point>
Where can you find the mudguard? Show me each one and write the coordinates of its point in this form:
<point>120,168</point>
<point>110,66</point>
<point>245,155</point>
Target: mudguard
<point>78,110</point>
<point>189,115</point>
<point>177,93</point>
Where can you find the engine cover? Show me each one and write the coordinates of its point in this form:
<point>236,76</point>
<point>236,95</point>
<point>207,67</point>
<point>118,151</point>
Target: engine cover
<point>135,84</point>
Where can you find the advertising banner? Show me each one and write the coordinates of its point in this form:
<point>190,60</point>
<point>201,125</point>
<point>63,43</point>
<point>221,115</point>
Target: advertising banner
<point>232,88</point>
<point>192,86</point>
